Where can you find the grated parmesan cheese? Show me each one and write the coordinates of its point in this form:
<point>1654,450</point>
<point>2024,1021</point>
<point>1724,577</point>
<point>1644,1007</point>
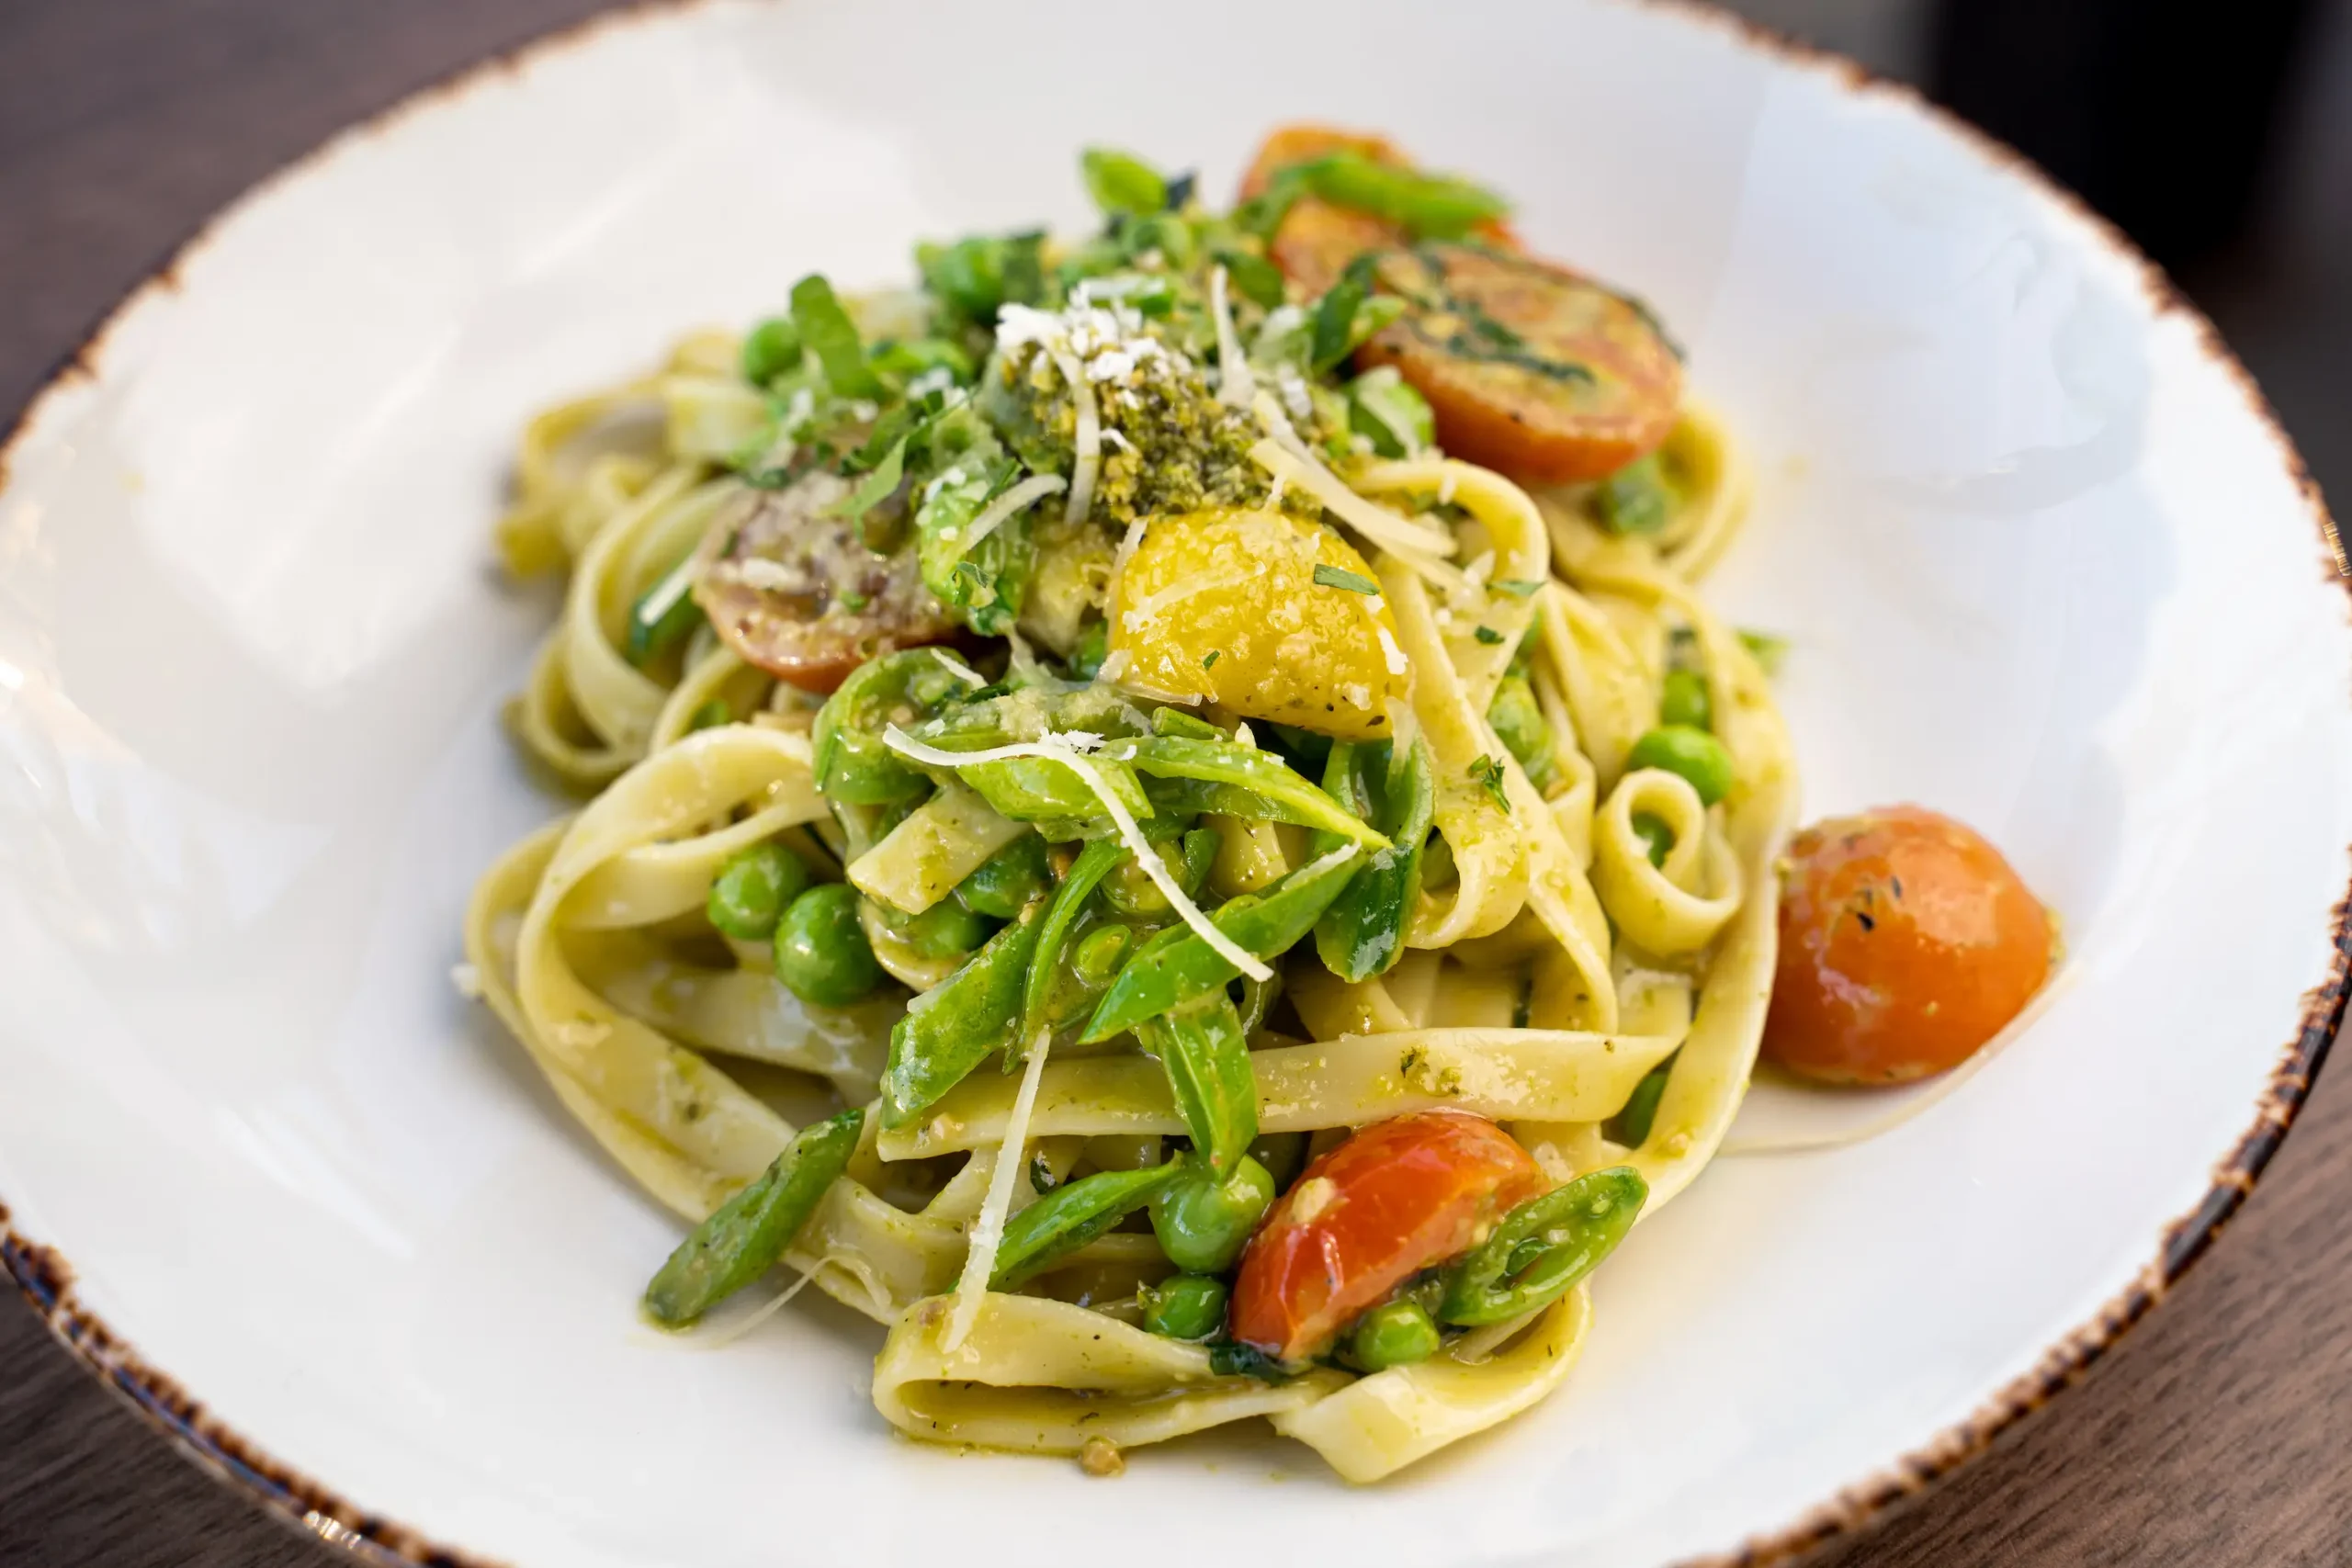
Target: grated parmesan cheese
<point>1400,534</point>
<point>1070,750</point>
<point>988,1230</point>
<point>1235,388</point>
<point>1035,488</point>
<point>958,668</point>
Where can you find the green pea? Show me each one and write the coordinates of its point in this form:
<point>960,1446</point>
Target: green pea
<point>1184,1306</point>
<point>1099,953</point>
<point>1698,757</point>
<point>1396,1335</point>
<point>1685,700</point>
<point>1655,834</point>
<point>753,888</point>
<point>946,930</point>
<point>1202,1223</point>
<point>822,953</point>
<point>1007,880</point>
<point>773,348</point>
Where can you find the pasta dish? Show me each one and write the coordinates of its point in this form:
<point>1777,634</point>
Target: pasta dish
<point>1162,816</point>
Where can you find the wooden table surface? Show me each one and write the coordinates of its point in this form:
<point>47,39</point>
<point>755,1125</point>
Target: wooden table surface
<point>2220,1434</point>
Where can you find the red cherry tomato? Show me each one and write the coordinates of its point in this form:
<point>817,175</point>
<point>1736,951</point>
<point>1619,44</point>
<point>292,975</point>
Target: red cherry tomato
<point>1906,942</point>
<point>1397,1197</point>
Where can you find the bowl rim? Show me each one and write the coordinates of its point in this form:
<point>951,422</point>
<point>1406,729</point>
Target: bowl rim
<point>46,1279</point>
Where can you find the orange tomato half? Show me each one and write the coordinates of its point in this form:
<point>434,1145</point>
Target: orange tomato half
<point>1906,942</point>
<point>1399,1196</point>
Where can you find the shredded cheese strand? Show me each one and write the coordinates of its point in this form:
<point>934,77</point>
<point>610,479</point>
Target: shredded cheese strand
<point>988,1231</point>
<point>1065,749</point>
<point>1005,507</point>
<point>958,668</point>
<point>1237,389</point>
<point>668,592</point>
<point>1089,458</point>
<point>1406,538</point>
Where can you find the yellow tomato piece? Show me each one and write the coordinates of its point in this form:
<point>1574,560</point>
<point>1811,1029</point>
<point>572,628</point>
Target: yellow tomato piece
<point>1224,607</point>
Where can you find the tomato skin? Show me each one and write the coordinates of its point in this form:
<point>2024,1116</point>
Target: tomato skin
<point>1540,428</point>
<point>1906,942</point>
<point>1399,1196</point>
<point>1537,428</point>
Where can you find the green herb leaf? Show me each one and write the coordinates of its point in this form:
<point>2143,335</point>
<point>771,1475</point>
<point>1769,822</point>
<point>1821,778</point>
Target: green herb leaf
<point>827,330</point>
<point>1488,771</point>
<point>1333,332</point>
<point>1488,635</point>
<point>1208,659</point>
<point>1122,183</point>
<point>876,488</point>
<point>1341,577</point>
<point>1516,587</point>
<point>1257,279</point>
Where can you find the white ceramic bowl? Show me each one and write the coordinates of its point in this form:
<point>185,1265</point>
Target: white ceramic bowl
<point>2044,557</point>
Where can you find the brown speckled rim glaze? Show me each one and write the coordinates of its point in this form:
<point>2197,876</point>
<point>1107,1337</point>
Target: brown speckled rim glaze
<point>47,1281</point>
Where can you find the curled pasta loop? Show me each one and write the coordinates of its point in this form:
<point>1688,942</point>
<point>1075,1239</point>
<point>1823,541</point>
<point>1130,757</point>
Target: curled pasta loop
<point>1678,908</point>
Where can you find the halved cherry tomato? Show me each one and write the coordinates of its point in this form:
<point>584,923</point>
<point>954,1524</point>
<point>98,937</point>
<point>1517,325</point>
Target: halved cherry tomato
<point>1906,942</point>
<point>801,596</point>
<point>1399,1196</point>
<point>1530,369</point>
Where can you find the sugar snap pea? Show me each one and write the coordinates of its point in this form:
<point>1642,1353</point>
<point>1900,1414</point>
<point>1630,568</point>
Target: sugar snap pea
<point>1273,791</point>
<point>1632,1126</point>
<point>851,763</point>
<point>1177,965</point>
<point>950,1029</point>
<point>1206,1057</point>
<point>1573,1228</point>
<point>1079,883</point>
<point>1363,933</point>
<point>1071,1215</point>
<point>746,1234</point>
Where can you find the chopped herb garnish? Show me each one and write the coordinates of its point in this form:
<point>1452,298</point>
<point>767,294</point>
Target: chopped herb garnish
<point>1341,577</point>
<point>1335,314</point>
<point>853,601</point>
<point>876,488</point>
<point>1488,635</point>
<point>829,333</point>
<point>1516,587</point>
<point>1208,659</point>
<point>1488,771</point>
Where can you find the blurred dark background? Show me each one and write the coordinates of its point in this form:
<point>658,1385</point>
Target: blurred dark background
<point>2219,135</point>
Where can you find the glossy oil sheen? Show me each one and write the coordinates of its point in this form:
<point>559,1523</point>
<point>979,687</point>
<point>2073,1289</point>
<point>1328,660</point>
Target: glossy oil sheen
<point>2043,565</point>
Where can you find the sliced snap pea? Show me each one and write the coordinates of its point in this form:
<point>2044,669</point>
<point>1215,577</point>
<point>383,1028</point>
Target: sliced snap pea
<point>1203,1223</point>
<point>1363,933</point>
<point>1632,1126</point>
<point>1131,891</point>
<point>1519,725</point>
<point>1432,205</point>
<point>851,763</point>
<point>1079,883</point>
<point>1206,1057</point>
<point>1178,965</point>
<point>1634,500</point>
<point>751,891</point>
<point>1071,1215</point>
<point>1099,951</point>
<point>653,632</point>
<point>946,930</point>
<point>1684,700</point>
<point>1184,1306</point>
<point>1280,795</point>
<point>1008,879</point>
<point>1395,1334</point>
<point>951,1029</point>
<point>746,1234</point>
<point>822,953</point>
<point>1698,757</point>
<point>1573,1228</point>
